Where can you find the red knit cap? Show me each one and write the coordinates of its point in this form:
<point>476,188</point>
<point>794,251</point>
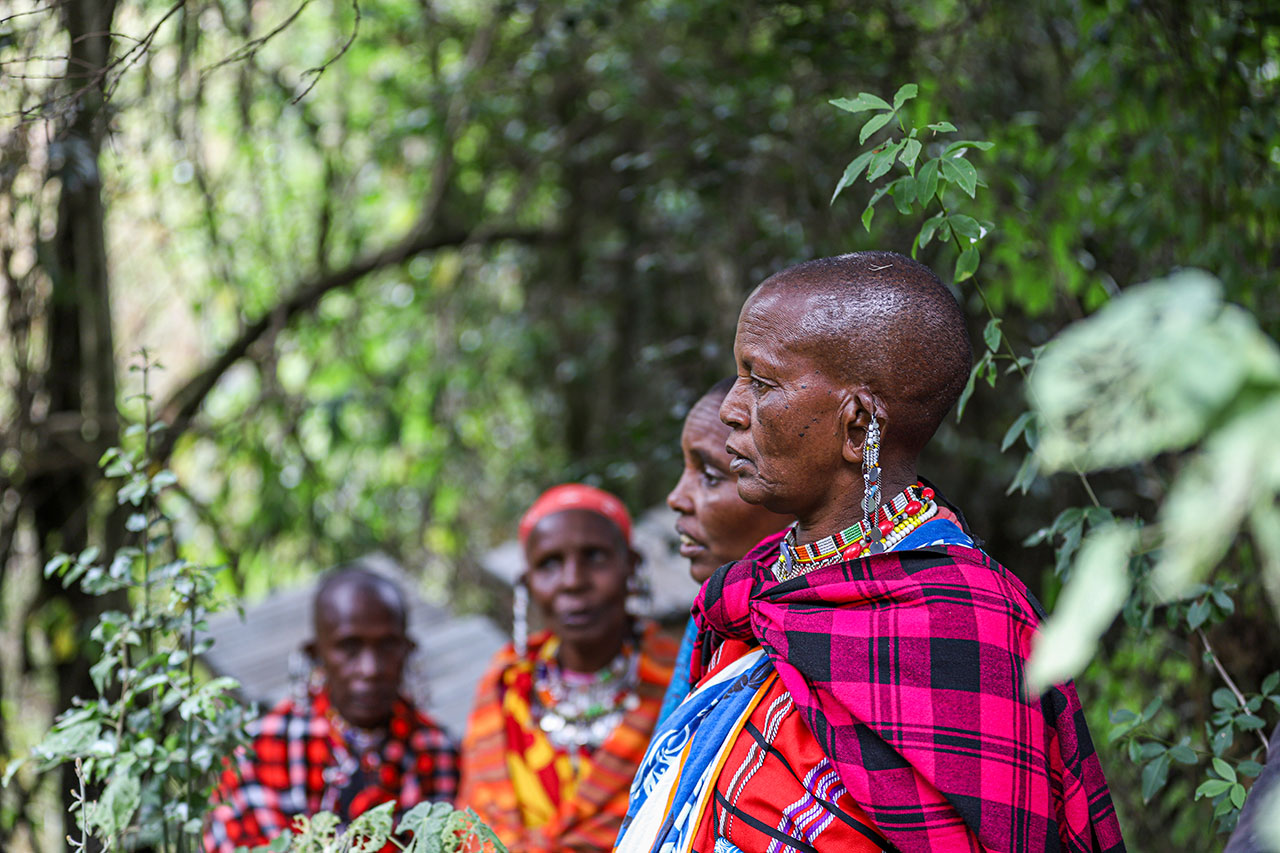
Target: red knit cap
<point>576,496</point>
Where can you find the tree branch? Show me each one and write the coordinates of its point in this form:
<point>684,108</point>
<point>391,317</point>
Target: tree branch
<point>184,403</point>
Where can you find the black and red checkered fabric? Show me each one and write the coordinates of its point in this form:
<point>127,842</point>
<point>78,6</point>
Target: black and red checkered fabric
<point>301,764</point>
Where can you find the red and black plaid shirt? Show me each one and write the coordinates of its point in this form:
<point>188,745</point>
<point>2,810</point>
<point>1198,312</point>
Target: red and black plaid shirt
<point>302,764</point>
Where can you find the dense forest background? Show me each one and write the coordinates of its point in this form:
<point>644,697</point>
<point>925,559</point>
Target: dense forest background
<point>406,263</point>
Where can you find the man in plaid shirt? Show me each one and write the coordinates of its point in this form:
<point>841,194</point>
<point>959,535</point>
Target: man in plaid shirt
<point>354,742</point>
<point>860,678</point>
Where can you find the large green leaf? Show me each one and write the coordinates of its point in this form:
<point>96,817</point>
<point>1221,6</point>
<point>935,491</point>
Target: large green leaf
<point>1091,599</point>
<point>1150,372</point>
<point>1236,473</point>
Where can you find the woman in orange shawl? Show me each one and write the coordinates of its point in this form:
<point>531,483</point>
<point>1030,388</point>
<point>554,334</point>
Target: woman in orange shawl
<point>562,720</point>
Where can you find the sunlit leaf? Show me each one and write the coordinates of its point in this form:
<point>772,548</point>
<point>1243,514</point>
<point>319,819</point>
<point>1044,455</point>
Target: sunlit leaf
<point>910,153</point>
<point>1088,604</point>
<point>1214,493</point>
<point>962,172</point>
<point>1146,374</point>
<point>873,124</point>
<point>863,102</point>
<point>882,162</point>
<point>927,182</point>
<point>852,171</point>
<point>966,264</point>
<point>961,144</point>
<point>904,94</point>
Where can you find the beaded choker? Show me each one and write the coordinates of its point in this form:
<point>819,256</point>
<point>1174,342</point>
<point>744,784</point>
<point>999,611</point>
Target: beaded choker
<point>577,716</point>
<point>909,509</point>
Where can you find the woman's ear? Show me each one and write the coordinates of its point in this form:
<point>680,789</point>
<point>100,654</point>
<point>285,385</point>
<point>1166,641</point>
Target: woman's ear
<point>635,558</point>
<point>855,417</point>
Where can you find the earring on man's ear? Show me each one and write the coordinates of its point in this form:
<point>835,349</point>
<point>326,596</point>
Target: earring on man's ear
<point>520,618</point>
<point>300,672</point>
<point>871,474</point>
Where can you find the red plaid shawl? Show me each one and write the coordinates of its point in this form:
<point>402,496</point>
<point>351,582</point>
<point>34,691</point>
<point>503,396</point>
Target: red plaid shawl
<point>293,769</point>
<point>908,668</point>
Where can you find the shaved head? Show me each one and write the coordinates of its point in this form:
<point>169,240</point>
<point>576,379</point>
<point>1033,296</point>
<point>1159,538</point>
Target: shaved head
<point>705,414</point>
<point>885,321</point>
<point>362,583</point>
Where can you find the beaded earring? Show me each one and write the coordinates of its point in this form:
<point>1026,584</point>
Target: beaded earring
<point>871,472</point>
<point>520,618</point>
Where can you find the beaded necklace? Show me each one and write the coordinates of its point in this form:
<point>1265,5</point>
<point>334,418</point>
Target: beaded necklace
<point>578,715</point>
<point>909,509</point>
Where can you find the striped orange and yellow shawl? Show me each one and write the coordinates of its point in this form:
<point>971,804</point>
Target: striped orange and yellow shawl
<point>524,788</point>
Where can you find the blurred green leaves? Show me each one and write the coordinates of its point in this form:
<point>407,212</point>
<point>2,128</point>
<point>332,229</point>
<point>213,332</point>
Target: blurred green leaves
<point>1153,371</point>
<point>1166,366</point>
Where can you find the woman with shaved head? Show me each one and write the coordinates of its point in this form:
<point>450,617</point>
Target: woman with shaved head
<point>862,686</point>
<point>715,525</point>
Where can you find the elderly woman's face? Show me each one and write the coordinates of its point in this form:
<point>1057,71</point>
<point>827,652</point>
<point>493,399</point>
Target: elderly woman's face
<point>578,566</point>
<point>784,411</point>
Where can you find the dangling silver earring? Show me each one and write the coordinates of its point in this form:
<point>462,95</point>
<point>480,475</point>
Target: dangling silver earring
<point>871,474</point>
<point>639,594</point>
<point>520,618</point>
<point>316,681</point>
<point>300,670</point>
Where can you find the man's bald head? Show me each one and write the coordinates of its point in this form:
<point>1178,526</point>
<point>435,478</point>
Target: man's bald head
<point>885,321</point>
<point>361,583</point>
<point>360,644</point>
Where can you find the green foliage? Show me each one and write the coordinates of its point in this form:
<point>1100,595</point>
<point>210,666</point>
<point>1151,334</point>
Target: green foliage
<point>150,743</point>
<point>425,828</point>
<point>674,154</point>
<point>1160,367</point>
<point>1152,372</point>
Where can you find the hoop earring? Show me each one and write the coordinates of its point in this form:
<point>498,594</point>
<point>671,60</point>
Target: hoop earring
<point>520,618</point>
<point>871,473</point>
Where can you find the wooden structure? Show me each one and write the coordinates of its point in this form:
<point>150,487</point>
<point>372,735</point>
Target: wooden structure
<point>441,675</point>
<point>452,651</point>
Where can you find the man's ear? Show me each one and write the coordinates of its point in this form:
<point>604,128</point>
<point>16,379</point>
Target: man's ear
<point>855,417</point>
<point>309,649</point>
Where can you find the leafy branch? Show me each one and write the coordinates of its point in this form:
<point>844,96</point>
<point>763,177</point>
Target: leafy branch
<point>1104,396</point>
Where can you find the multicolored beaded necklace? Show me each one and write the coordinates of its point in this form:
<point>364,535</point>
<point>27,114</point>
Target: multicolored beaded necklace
<point>578,715</point>
<point>909,509</point>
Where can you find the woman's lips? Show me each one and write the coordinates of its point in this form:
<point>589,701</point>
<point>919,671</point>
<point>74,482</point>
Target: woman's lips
<point>738,463</point>
<point>578,618</point>
<point>690,547</point>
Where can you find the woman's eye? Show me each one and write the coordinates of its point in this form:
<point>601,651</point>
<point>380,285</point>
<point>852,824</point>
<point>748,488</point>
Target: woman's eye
<point>712,478</point>
<point>550,564</point>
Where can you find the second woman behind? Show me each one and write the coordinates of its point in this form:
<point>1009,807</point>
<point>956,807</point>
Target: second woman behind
<point>562,719</point>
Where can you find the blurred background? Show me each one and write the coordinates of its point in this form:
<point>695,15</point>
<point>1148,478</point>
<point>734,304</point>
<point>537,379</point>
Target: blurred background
<point>406,263</point>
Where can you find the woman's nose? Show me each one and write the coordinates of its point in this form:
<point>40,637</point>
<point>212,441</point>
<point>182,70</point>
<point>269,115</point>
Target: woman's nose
<point>679,499</point>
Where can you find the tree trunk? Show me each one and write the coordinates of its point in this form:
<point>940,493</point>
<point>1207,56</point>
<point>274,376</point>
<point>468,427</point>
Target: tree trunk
<point>79,376</point>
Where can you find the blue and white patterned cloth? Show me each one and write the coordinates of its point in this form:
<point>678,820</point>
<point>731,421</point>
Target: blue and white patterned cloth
<point>670,775</point>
